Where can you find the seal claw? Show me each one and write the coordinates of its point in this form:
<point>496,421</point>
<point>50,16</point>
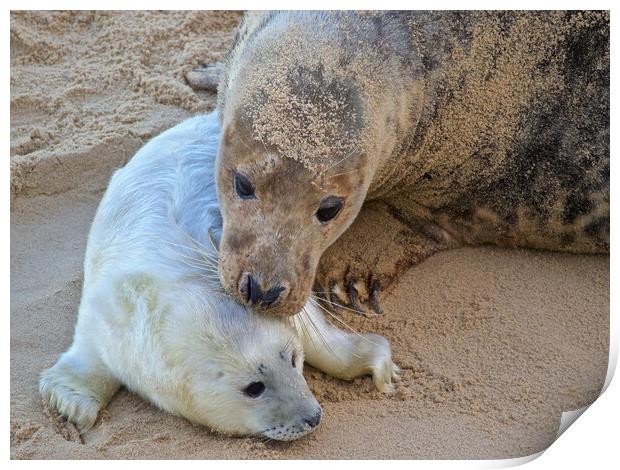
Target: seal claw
<point>374,296</point>
<point>319,291</point>
<point>334,298</point>
<point>354,297</point>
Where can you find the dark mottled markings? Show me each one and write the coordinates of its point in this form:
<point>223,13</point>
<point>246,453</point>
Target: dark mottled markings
<point>312,85</point>
<point>567,238</point>
<point>576,205</point>
<point>562,153</point>
<point>599,229</point>
<point>239,240</point>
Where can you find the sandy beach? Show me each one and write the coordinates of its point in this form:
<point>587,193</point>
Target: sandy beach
<point>494,343</point>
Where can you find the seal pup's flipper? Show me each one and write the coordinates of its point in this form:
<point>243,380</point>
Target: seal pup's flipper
<point>370,256</point>
<point>78,386</point>
<point>342,354</point>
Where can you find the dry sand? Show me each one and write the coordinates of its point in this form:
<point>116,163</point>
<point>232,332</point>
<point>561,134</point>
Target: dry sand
<point>494,343</point>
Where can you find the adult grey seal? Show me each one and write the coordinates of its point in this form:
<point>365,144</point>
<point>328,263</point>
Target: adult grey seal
<point>370,141</point>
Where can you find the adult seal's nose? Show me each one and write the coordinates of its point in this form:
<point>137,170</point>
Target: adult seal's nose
<point>313,421</point>
<point>252,293</point>
<point>249,289</point>
<point>272,296</point>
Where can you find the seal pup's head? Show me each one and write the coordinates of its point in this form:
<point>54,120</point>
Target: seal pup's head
<point>243,373</point>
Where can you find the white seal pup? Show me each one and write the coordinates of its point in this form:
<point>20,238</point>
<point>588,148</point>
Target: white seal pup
<point>154,318</point>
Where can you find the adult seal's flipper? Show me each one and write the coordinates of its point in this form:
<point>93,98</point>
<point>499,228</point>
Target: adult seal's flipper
<point>206,77</point>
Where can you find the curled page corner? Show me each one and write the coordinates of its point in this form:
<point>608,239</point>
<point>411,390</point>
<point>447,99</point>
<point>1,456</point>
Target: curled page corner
<point>568,418</point>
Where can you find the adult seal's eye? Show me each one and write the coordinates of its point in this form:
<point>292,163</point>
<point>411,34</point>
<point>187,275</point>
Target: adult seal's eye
<point>329,208</point>
<point>254,390</point>
<point>243,186</point>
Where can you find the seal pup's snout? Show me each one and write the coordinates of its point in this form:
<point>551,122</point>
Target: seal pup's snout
<point>314,420</point>
<point>253,294</point>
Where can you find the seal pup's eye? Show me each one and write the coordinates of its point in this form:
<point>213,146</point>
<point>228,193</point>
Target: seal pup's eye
<point>254,390</point>
<point>329,208</point>
<point>243,186</point>
<point>293,360</point>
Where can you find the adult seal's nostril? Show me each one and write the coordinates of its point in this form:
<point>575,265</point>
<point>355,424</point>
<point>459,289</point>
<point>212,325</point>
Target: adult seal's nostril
<point>254,294</point>
<point>272,297</point>
<point>314,421</point>
<point>249,289</point>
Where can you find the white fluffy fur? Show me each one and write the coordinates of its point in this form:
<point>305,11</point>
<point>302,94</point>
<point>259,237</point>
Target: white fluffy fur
<point>153,317</point>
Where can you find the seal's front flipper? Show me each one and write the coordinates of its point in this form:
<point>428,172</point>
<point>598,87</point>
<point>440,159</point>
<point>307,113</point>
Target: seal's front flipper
<point>77,387</point>
<point>345,355</point>
<point>370,256</point>
<point>206,77</point>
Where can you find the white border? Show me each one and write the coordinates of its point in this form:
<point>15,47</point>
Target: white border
<point>310,5</point>
<point>593,442</point>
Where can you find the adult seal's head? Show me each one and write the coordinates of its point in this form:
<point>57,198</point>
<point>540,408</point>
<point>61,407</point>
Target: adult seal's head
<point>308,114</point>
